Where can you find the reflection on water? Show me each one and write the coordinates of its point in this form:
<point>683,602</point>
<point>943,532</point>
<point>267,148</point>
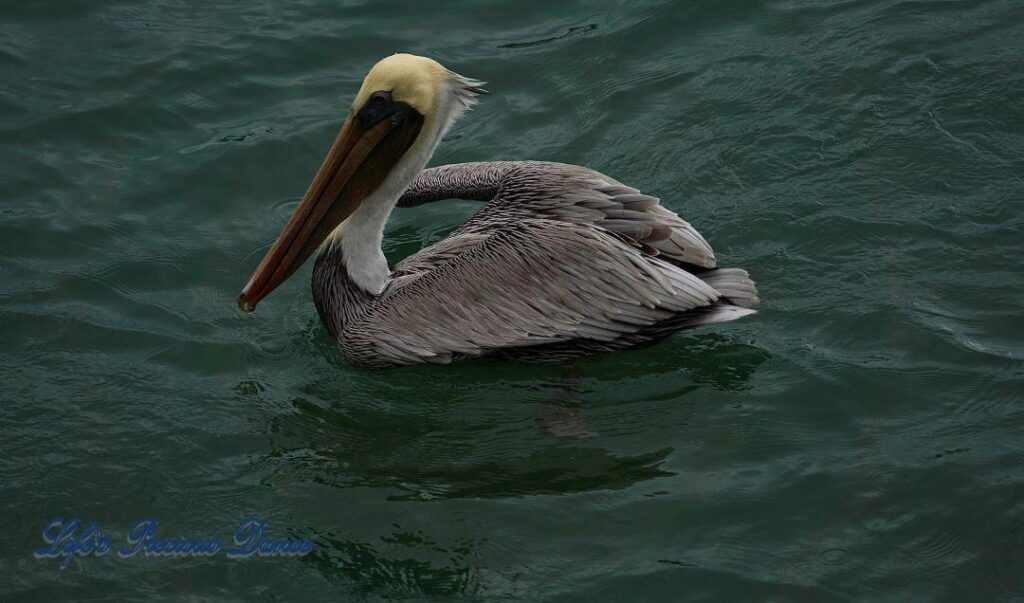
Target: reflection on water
<point>492,428</point>
<point>425,458</point>
<point>563,419</point>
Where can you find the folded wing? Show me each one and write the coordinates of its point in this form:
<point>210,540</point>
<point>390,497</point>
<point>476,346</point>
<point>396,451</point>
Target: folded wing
<point>533,282</point>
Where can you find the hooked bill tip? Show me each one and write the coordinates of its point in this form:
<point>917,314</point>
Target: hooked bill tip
<point>245,304</point>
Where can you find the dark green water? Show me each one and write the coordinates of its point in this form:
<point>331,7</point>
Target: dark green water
<point>859,439</point>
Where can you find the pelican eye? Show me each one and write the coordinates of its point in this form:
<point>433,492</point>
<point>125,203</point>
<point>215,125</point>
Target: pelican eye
<point>379,106</point>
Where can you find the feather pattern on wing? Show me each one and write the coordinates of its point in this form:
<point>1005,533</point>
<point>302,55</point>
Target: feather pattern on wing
<point>560,261</point>
<point>537,282</point>
<point>568,193</point>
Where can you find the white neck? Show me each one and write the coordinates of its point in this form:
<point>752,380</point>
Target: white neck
<point>361,235</point>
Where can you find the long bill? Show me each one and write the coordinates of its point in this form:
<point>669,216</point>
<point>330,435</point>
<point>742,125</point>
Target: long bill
<point>360,159</point>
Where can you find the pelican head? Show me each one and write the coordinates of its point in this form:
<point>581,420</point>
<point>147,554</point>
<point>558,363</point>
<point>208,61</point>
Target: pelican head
<point>402,110</point>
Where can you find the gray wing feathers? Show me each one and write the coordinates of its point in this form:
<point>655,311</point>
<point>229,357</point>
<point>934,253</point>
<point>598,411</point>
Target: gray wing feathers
<point>734,284</point>
<point>478,181</point>
<point>438,253</point>
<point>560,254</point>
<point>568,193</point>
<point>540,282</point>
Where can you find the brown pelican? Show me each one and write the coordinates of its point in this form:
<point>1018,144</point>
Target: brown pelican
<point>561,261</point>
